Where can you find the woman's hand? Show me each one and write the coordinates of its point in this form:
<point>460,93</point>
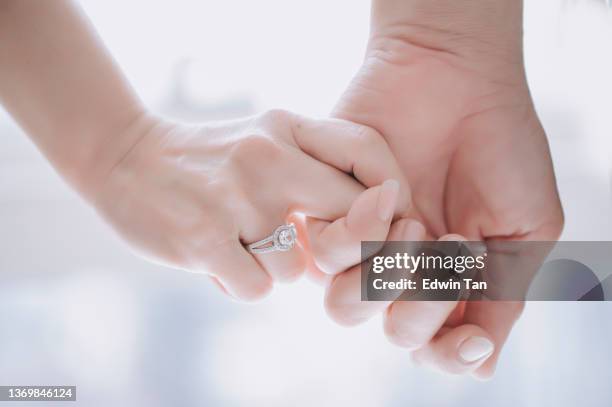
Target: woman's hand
<point>191,197</point>
<point>185,196</point>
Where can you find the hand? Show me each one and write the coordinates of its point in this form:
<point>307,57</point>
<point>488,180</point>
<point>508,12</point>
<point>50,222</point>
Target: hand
<point>459,118</point>
<point>190,197</point>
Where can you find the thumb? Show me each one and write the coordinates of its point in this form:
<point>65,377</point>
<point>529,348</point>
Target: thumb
<point>353,149</point>
<point>336,246</point>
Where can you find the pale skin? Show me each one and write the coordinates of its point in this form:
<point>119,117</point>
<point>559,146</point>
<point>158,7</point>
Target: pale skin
<point>444,82</point>
<point>191,196</point>
<point>188,196</point>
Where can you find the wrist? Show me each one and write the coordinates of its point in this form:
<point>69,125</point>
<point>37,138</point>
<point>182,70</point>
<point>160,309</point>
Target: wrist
<point>486,33</point>
<point>114,141</point>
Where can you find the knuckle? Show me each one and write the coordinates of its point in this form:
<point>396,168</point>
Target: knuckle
<point>276,116</point>
<point>405,202</point>
<point>256,292</point>
<point>408,341</point>
<point>370,139</point>
<point>253,149</point>
<point>558,223</point>
<point>553,223</point>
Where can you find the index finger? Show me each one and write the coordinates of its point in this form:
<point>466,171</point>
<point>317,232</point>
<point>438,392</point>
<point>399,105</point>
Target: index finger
<point>352,148</point>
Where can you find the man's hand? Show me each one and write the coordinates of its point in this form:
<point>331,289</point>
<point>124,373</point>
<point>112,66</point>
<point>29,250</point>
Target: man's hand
<point>453,103</point>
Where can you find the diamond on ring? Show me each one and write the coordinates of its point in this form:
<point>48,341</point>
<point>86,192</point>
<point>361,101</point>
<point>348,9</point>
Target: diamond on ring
<point>282,240</point>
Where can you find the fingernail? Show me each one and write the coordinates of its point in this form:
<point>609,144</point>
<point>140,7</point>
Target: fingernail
<point>453,237</point>
<point>387,199</point>
<point>474,349</point>
<point>413,231</point>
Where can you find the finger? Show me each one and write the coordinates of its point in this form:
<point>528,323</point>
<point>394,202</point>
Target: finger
<point>312,272</point>
<point>315,274</point>
<point>281,266</point>
<point>456,317</point>
<point>317,189</point>
<point>343,295</point>
<point>337,246</point>
<point>457,350</point>
<point>351,148</point>
<point>218,284</point>
<point>323,234</point>
<point>497,318</point>
<point>284,266</point>
<point>238,272</point>
<point>412,324</point>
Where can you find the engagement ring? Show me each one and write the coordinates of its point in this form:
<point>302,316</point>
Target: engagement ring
<point>282,240</point>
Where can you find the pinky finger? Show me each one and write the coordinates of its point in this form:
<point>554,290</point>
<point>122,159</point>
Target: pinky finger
<point>456,350</point>
<point>239,273</point>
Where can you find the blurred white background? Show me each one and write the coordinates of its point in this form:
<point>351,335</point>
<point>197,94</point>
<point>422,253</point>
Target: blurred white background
<point>77,308</point>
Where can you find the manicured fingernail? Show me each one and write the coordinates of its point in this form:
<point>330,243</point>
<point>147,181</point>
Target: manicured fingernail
<point>453,237</point>
<point>474,349</point>
<point>413,231</point>
<point>387,199</point>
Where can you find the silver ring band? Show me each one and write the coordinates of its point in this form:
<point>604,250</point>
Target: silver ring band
<point>282,240</point>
